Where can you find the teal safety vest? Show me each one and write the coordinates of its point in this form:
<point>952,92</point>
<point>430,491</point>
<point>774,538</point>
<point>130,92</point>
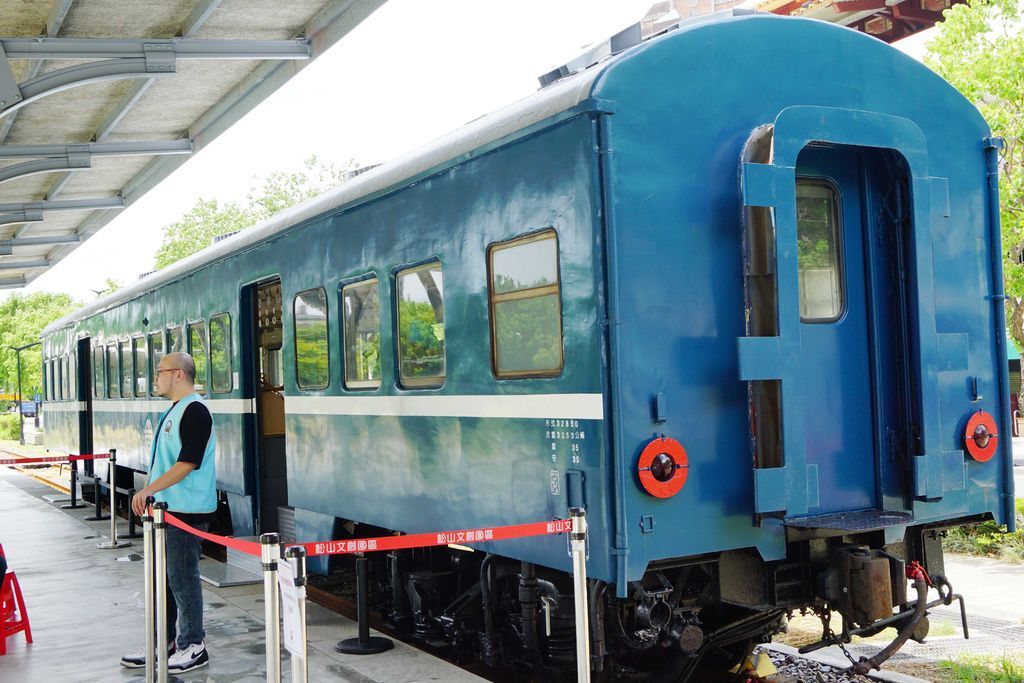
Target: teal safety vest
<point>197,492</point>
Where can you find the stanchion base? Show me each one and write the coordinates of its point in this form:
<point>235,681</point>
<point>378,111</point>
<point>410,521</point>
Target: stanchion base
<point>110,545</point>
<point>69,506</point>
<point>96,518</point>
<point>373,645</point>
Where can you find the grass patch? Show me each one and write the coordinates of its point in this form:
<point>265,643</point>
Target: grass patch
<point>983,668</point>
<point>989,539</point>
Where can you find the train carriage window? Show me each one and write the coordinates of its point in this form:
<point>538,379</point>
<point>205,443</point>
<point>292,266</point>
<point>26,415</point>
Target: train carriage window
<point>72,378</point>
<point>125,354</point>
<point>818,252</point>
<point>198,347</point>
<point>526,313</point>
<point>220,353</point>
<point>139,353</point>
<point>97,372</point>
<point>421,345</point>
<point>175,342</point>
<point>64,393</point>
<point>112,371</point>
<point>312,357</point>
<point>46,379</point>
<point>156,352</point>
<point>361,308</point>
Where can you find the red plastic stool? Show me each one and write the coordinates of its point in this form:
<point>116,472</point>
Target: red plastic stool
<point>13,615</point>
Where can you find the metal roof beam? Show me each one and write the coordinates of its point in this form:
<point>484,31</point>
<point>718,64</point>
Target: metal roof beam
<point>12,282</point>
<point>42,240</point>
<point>200,13</point>
<point>97,149</point>
<point>65,205</point>
<point>48,165</point>
<point>118,112</point>
<point>57,14</point>
<point>19,265</point>
<point>182,48</point>
<point>23,216</point>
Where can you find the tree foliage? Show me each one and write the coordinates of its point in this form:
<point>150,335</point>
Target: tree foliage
<point>210,218</point>
<point>22,319</point>
<point>980,50</point>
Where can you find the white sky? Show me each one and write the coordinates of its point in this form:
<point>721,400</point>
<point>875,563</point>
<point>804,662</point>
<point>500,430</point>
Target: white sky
<point>411,72</point>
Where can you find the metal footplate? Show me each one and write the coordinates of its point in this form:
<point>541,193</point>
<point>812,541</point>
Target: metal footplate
<point>853,521</point>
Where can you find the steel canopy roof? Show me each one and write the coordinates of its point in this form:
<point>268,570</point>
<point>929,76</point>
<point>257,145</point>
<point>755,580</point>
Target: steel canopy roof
<point>100,100</point>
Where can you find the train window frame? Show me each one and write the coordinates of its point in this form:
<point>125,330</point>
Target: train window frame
<point>126,368</point>
<point>139,343</point>
<point>169,342</point>
<point>432,381</point>
<point>99,374</point>
<point>46,374</point>
<point>57,379</point>
<point>838,234</point>
<point>364,281</point>
<point>72,375</point>
<point>153,361</point>
<point>327,339</point>
<point>214,387</point>
<point>114,382</point>
<point>526,293</point>
<point>64,393</point>
<point>202,389</point>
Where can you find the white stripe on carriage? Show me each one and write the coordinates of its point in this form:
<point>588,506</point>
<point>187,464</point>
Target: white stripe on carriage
<point>532,406</point>
<point>217,406</point>
<point>64,407</point>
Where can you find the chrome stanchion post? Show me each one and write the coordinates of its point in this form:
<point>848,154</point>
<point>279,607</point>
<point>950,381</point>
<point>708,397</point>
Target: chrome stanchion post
<point>271,553</point>
<point>160,587</point>
<point>578,541</point>
<point>112,485</point>
<point>297,556</point>
<point>147,562</point>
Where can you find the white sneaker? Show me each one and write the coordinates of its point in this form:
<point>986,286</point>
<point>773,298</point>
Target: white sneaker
<point>186,659</point>
<point>137,659</point>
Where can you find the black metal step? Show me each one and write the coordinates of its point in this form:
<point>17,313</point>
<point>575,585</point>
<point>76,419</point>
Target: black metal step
<point>854,520</point>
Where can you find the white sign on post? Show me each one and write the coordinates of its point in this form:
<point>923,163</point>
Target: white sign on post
<point>290,597</point>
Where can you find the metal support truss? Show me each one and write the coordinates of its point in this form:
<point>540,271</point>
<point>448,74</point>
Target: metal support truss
<point>23,216</point>
<point>121,59</point>
<point>22,265</point>
<point>12,282</point>
<point>32,212</point>
<point>7,246</point>
<point>51,158</point>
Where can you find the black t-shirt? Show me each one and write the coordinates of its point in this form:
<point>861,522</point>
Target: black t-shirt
<point>194,430</point>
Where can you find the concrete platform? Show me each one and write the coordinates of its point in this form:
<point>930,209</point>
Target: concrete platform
<point>86,610</point>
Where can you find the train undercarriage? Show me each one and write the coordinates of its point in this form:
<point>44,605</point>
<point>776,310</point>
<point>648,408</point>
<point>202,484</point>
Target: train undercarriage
<point>692,614</point>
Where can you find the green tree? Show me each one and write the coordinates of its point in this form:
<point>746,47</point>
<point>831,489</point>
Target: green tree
<point>22,318</point>
<point>980,50</point>
<point>278,191</point>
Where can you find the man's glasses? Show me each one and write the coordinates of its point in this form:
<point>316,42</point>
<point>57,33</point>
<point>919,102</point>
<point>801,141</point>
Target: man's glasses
<point>159,370</point>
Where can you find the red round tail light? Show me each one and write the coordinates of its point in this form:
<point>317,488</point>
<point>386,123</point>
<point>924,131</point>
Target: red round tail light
<point>981,438</point>
<point>663,467</point>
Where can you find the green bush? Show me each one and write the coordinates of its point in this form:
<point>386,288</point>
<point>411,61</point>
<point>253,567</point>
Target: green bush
<point>9,430</point>
<point>989,539</point>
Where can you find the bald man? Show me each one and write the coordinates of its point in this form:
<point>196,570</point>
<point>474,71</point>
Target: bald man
<point>182,473</point>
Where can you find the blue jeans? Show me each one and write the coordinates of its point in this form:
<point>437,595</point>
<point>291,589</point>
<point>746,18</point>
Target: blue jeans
<point>183,550</point>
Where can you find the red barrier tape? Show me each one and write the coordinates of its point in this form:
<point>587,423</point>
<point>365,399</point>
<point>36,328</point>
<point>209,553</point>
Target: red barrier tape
<point>53,458</point>
<point>360,545</point>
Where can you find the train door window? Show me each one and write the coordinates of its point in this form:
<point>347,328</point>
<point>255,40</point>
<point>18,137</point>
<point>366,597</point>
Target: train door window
<point>156,352</point>
<point>361,332</point>
<point>220,353</point>
<point>97,372</point>
<point>199,349</point>
<point>818,252</point>
<point>112,371</point>
<point>312,357</point>
<point>175,342</point>
<point>139,353</point>
<point>421,347</point>
<point>46,379</point>
<point>125,355</point>
<point>526,309</point>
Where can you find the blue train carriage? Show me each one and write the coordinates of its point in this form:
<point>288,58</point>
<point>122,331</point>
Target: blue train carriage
<point>735,290</point>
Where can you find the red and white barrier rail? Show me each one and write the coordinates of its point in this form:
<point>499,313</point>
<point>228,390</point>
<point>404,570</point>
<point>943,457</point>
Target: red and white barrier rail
<point>70,457</point>
<point>269,550</point>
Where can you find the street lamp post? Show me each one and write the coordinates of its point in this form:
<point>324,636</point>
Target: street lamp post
<point>21,418</point>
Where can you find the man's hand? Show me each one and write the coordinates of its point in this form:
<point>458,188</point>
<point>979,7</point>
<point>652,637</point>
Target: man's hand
<point>139,501</point>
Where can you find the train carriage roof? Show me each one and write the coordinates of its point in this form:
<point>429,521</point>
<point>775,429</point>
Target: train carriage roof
<point>558,97</point>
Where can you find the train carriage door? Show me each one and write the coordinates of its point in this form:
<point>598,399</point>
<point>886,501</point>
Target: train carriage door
<point>84,399</point>
<point>262,335</point>
<point>835,335</point>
